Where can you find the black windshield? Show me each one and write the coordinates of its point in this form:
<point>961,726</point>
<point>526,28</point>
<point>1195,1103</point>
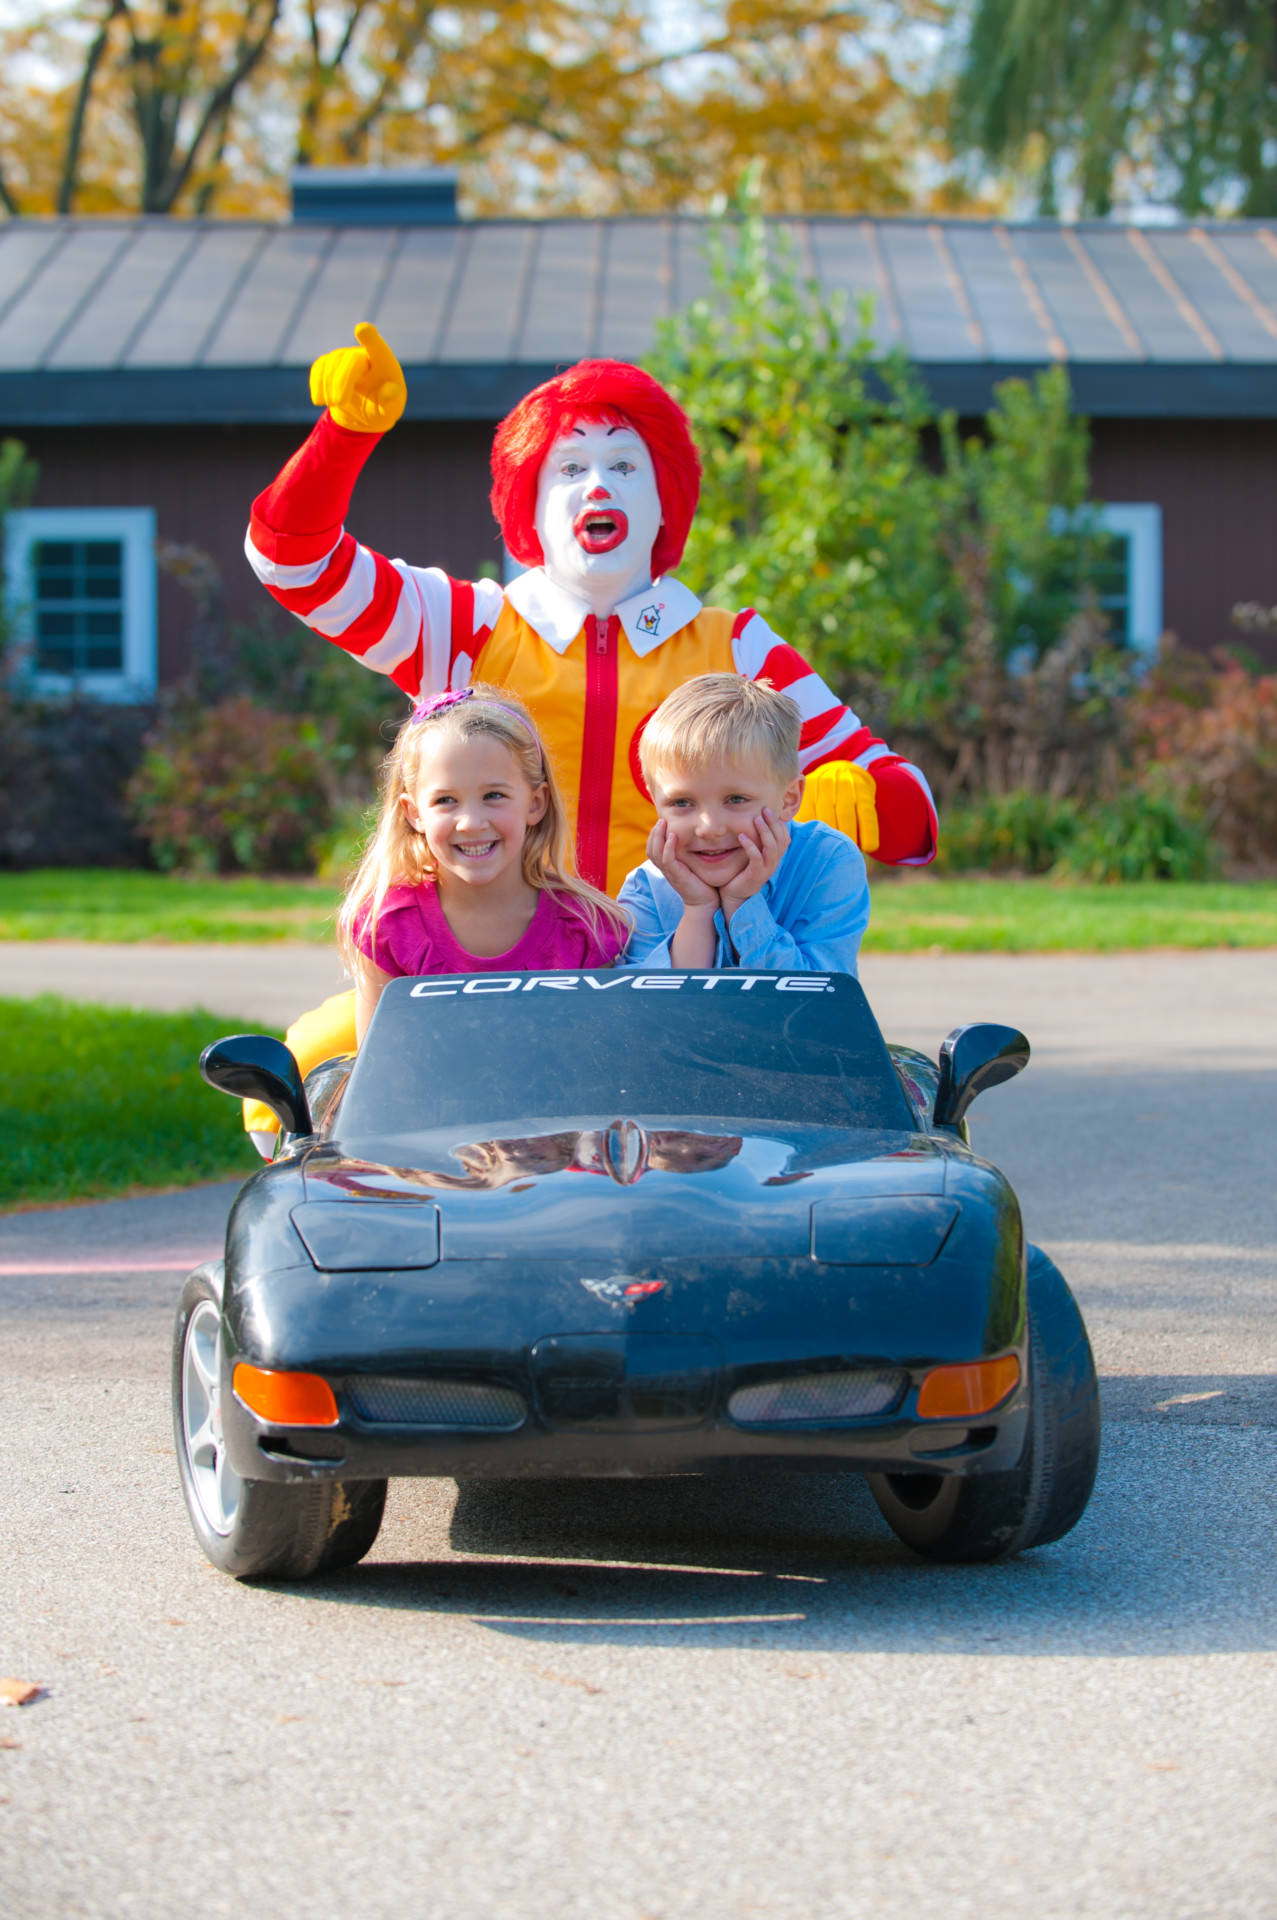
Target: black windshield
<point>497,1049</point>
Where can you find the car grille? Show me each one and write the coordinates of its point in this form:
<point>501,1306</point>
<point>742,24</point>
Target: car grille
<point>435,1403</point>
<point>819,1397</point>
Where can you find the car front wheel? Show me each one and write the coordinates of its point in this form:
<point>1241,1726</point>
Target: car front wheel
<point>956,1517</point>
<point>252,1528</point>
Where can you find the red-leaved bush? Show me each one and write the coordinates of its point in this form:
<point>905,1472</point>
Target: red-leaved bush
<point>232,787</point>
<point>1212,726</point>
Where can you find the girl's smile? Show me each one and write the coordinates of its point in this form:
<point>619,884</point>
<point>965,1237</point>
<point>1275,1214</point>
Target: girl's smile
<point>474,805</point>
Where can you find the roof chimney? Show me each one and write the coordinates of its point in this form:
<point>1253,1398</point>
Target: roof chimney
<point>374,196</point>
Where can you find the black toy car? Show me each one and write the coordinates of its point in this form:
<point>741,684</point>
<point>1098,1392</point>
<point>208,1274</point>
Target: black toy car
<point>625,1223</point>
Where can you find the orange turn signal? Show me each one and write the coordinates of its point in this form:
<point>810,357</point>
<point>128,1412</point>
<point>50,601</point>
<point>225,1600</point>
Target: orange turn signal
<point>956,1393</point>
<point>286,1399</point>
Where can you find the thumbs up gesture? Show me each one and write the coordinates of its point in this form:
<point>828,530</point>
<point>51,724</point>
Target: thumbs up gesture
<point>362,387</point>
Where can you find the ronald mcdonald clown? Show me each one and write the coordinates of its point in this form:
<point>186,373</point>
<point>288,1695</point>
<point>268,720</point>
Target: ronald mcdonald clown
<point>595,482</point>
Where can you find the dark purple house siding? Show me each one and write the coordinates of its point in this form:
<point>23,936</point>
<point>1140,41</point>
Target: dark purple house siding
<point>424,496</point>
<point>1216,483</point>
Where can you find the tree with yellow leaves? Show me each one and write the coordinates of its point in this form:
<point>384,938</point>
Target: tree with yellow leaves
<point>162,79</point>
<point>187,106</point>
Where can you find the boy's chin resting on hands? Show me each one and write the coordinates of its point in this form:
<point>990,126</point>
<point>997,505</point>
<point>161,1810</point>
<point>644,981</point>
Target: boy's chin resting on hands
<point>727,881</point>
<point>711,879</point>
<point>763,846</point>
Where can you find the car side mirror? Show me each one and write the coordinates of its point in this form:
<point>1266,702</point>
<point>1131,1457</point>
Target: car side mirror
<point>973,1059</point>
<point>253,1066</point>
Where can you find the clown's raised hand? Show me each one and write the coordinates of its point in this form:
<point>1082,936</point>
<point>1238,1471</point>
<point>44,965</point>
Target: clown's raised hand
<point>362,387</point>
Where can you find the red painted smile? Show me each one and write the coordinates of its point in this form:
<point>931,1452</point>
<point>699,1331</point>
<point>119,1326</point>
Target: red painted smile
<point>599,529</point>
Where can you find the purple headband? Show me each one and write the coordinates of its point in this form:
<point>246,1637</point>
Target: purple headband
<point>438,703</point>
<point>441,702</point>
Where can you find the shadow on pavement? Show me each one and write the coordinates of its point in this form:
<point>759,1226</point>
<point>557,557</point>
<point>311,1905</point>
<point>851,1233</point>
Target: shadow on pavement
<point>1173,1556</point>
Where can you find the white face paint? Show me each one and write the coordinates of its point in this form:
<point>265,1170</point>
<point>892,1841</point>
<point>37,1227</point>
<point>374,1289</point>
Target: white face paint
<point>598,513</point>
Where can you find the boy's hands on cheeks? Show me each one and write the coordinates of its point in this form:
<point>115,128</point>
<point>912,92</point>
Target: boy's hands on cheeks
<point>764,846</point>
<point>722,832</point>
<point>662,851</point>
<point>694,943</point>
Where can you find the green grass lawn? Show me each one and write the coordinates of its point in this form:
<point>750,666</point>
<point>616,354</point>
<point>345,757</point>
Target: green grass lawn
<point>96,1101</point>
<point>1043,916</point>
<point>110,904</point>
<point>913,913</point>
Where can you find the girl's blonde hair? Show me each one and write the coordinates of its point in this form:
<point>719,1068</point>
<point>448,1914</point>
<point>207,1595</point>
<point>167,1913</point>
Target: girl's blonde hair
<point>397,854</point>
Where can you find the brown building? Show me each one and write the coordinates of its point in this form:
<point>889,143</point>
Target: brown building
<point>156,370</point>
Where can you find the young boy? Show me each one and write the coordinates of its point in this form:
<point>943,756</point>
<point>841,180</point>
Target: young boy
<point>728,880</point>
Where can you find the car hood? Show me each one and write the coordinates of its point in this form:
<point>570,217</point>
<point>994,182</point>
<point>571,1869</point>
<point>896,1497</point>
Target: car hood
<point>621,1186</point>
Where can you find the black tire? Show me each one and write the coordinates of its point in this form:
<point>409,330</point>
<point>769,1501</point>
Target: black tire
<point>1073,1396</point>
<point>254,1529</point>
<point>355,1523</point>
<point>969,1518</point>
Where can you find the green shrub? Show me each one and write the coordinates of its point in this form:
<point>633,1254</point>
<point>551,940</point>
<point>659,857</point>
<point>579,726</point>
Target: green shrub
<point>233,788</point>
<point>282,667</point>
<point>1143,834</point>
<point>289,669</point>
<point>1020,832</point>
<point>944,584</point>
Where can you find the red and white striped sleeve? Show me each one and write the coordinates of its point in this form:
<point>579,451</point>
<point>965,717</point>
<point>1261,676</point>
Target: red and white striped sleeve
<point>416,624</point>
<point>907,826</point>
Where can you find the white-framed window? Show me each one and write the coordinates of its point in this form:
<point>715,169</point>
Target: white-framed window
<point>80,589</point>
<point>1130,580</point>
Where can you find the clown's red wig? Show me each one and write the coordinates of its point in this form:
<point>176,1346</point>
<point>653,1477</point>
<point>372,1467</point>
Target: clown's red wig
<point>610,390</point>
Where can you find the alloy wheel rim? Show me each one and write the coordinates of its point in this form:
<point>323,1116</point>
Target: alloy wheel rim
<point>215,1483</point>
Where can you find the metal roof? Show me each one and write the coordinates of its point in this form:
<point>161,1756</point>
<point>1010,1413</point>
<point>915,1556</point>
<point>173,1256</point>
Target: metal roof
<point>172,321</point>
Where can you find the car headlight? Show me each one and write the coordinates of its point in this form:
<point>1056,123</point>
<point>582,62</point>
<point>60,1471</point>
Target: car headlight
<point>347,1236</point>
<point>904,1230</point>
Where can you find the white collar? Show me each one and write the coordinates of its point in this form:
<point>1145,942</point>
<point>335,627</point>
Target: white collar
<point>662,609</point>
<point>647,617</point>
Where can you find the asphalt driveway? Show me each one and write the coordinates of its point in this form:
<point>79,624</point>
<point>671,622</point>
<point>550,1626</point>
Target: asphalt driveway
<point>699,1698</point>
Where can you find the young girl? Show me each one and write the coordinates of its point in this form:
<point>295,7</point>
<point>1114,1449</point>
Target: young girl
<point>468,869</point>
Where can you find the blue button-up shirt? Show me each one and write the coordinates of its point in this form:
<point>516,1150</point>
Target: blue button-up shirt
<point>808,918</point>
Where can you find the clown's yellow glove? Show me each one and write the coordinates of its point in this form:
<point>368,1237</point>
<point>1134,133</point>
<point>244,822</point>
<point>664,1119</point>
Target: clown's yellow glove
<point>362,387</point>
<point>843,796</point>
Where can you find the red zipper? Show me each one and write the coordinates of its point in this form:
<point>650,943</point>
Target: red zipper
<point>598,748</point>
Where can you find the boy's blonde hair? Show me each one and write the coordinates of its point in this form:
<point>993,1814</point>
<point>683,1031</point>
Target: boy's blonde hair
<point>397,854</point>
<point>722,716</point>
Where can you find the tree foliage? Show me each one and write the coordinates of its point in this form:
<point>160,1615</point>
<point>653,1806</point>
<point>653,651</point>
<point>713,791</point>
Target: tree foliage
<point>156,80</point>
<point>203,105</point>
<point>941,580</point>
<point>1173,100</point>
